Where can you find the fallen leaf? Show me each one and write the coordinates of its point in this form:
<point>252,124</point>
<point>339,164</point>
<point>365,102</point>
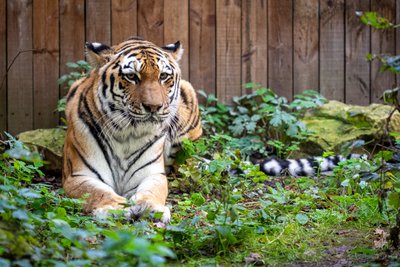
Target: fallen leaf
<point>254,258</point>
<point>381,238</point>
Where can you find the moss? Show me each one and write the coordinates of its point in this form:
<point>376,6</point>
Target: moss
<point>336,123</point>
<point>49,143</point>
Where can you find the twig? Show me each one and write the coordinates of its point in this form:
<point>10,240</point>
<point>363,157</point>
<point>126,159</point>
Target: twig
<point>12,62</point>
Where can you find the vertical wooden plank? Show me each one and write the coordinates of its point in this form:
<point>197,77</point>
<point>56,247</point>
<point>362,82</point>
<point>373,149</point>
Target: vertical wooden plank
<point>176,27</point>
<point>20,80</point>
<point>98,21</point>
<point>254,42</point>
<point>3,67</point>
<point>382,42</point>
<point>332,55</point>
<point>151,20</point>
<point>45,62</point>
<point>280,47</point>
<point>72,34</point>
<point>202,45</point>
<point>357,47</point>
<point>228,14</point>
<point>305,45</point>
<point>123,20</point>
<point>398,38</point>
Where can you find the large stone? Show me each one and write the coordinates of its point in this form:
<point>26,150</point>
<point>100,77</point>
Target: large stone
<point>336,123</point>
<point>49,143</point>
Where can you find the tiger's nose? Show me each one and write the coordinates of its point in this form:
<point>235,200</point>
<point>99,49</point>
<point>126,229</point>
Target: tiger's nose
<point>152,108</point>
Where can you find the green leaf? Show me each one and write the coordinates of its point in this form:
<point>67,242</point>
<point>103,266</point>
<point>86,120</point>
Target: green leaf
<point>375,20</point>
<point>72,65</point>
<point>251,127</point>
<point>21,215</point>
<point>394,200</point>
<point>292,130</point>
<point>302,218</point>
<point>198,199</point>
<point>255,118</point>
<point>28,193</point>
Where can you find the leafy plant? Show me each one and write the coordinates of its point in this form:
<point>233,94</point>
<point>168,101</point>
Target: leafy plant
<point>260,119</point>
<point>40,226</point>
<point>79,70</point>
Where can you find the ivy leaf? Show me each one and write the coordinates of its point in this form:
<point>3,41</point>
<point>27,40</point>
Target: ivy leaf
<point>302,219</point>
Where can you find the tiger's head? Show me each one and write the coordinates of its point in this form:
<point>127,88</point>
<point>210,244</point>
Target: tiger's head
<point>138,81</point>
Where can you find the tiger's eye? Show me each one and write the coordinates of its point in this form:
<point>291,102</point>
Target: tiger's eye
<point>164,76</point>
<point>132,77</point>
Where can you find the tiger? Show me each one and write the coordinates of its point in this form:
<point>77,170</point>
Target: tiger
<point>125,121</point>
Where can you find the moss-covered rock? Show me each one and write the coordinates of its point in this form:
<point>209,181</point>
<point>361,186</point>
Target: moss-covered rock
<point>336,123</point>
<point>49,143</point>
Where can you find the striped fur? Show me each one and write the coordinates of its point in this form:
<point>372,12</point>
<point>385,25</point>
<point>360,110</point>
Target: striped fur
<point>302,167</point>
<point>124,121</point>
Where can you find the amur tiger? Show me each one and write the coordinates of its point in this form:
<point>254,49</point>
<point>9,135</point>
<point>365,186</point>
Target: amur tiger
<point>125,119</point>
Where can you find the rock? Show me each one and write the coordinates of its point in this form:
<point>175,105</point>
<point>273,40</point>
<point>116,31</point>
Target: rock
<point>49,143</point>
<point>336,123</point>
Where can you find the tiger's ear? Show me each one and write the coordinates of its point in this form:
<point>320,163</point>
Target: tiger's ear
<point>97,54</point>
<point>175,50</point>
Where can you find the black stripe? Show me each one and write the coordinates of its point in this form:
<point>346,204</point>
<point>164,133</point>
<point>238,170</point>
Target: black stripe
<point>87,116</point>
<point>133,55</point>
<point>143,149</point>
<point>127,191</point>
<point>147,164</point>
<point>90,167</point>
<point>314,162</point>
<point>184,97</point>
<point>111,86</point>
<point>133,44</point>
<point>193,123</point>
<point>72,92</point>
<point>116,65</point>
<point>300,172</point>
<point>103,81</point>
<point>334,159</point>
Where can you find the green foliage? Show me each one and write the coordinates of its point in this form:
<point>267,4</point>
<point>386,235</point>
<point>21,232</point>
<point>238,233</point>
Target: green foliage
<point>260,119</point>
<point>388,173</point>
<point>388,62</point>
<point>40,226</point>
<point>79,70</point>
<point>233,211</point>
<point>376,21</point>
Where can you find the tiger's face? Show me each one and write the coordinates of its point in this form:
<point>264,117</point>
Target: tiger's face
<point>139,81</point>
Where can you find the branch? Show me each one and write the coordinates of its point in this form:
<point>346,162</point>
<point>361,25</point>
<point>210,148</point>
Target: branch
<point>12,63</point>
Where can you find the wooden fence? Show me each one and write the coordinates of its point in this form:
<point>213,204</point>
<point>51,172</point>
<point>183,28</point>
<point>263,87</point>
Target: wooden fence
<point>287,45</point>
